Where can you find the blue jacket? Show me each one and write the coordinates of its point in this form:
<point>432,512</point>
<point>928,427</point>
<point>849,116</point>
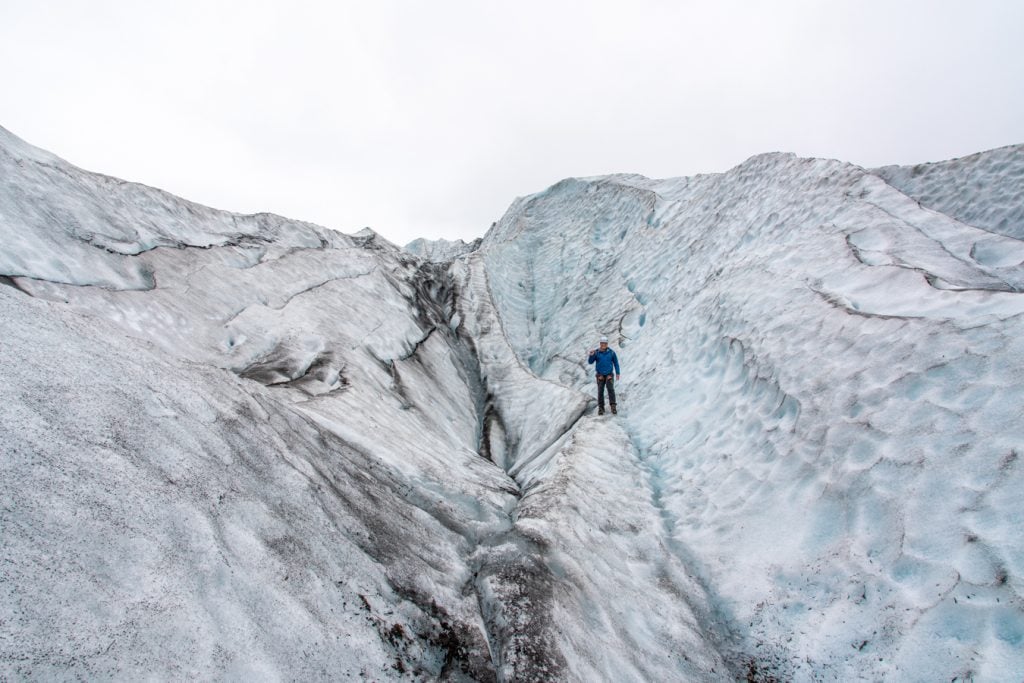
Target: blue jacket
<point>605,360</point>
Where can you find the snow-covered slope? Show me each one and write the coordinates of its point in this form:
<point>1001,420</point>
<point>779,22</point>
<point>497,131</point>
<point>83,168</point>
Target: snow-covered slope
<point>246,447</point>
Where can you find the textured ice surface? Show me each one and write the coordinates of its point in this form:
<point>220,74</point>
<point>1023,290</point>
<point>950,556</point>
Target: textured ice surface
<point>66,225</point>
<point>985,189</point>
<point>286,457</point>
<point>244,447</point>
<point>826,385</point>
<point>262,465</point>
<point>171,520</point>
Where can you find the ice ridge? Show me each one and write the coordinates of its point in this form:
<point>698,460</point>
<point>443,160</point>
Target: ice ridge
<point>985,190</point>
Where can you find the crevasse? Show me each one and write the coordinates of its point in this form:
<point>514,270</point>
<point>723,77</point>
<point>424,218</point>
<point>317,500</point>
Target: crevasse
<point>248,447</point>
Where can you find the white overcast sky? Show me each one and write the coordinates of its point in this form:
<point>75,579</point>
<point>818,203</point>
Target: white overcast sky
<point>428,118</point>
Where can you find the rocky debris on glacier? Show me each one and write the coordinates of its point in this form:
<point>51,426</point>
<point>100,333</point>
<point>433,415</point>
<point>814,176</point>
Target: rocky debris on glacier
<point>248,447</point>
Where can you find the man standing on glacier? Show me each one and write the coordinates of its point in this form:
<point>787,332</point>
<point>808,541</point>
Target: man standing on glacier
<point>606,361</point>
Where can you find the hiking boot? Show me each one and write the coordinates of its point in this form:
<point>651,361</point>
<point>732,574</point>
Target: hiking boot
<point>614,412</point>
<point>600,411</point>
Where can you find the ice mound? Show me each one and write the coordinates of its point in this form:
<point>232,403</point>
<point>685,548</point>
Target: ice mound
<point>824,382</point>
<point>242,469</point>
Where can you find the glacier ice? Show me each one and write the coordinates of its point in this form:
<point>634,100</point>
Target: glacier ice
<point>252,448</point>
<point>441,250</point>
<point>819,425</point>
<point>985,190</point>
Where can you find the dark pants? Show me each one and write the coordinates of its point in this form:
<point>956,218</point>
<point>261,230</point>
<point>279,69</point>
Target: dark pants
<point>602,382</point>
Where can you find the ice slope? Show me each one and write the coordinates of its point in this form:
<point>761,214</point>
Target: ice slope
<point>985,190</point>
<point>824,385</point>
<point>241,469</point>
<point>243,447</point>
<point>166,519</point>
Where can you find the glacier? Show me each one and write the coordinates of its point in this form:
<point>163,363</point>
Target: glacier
<point>247,447</point>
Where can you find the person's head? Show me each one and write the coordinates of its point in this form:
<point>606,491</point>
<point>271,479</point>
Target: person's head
<point>604,343</point>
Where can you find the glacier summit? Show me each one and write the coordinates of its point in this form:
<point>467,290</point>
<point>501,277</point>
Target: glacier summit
<point>249,448</point>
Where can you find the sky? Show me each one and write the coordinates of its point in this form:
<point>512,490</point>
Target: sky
<point>426,119</point>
